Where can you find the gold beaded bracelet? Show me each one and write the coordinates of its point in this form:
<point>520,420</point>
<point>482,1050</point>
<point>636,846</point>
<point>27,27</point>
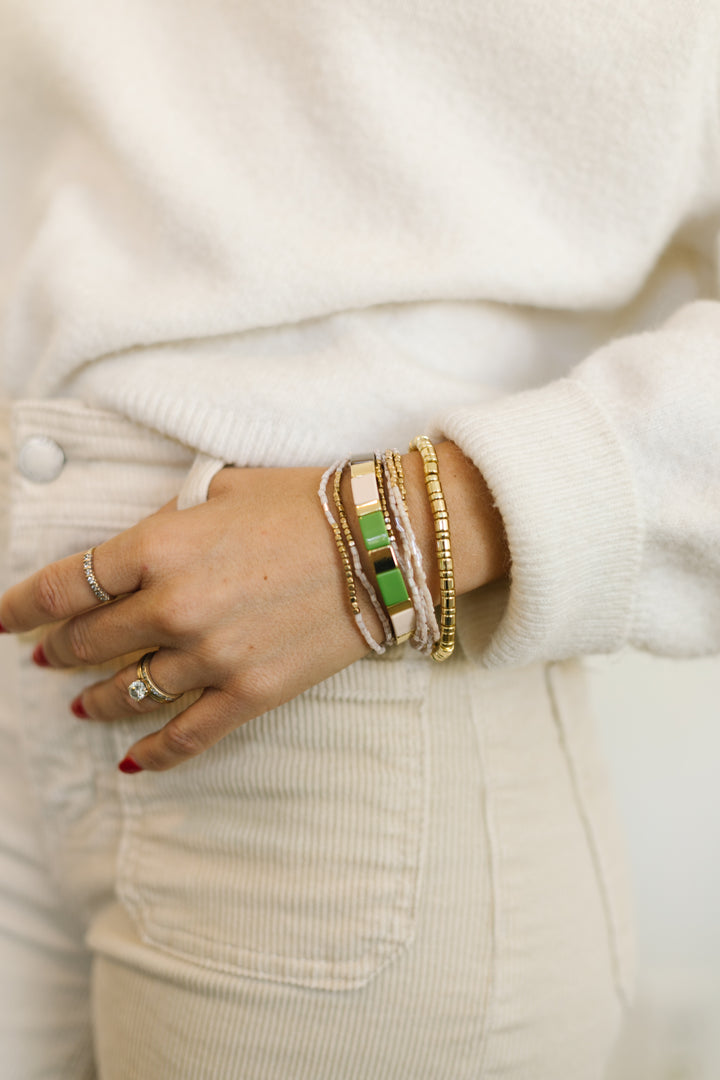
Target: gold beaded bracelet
<point>347,566</point>
<point>397,473</point>
<point>445,646</point>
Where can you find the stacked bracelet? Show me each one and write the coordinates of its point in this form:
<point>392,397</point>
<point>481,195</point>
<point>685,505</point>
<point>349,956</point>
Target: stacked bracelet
<point>378,541</point>
<point>444,647</point>
<point>400,582</point>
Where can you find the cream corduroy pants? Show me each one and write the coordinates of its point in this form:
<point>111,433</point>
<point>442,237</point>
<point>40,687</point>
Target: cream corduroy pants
<point>410,871</point>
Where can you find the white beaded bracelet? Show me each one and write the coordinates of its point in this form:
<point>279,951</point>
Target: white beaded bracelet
<point>427,631</point>
<point>340,541</point>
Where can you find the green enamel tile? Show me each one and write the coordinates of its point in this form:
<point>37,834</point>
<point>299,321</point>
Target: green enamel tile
<point>372,527</point>
<point>392,587</point>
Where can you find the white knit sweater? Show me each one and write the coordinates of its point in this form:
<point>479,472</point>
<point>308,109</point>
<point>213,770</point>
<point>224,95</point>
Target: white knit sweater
<point>280,232</point>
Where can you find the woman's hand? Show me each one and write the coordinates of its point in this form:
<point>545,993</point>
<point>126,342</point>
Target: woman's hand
<point>243,596</point>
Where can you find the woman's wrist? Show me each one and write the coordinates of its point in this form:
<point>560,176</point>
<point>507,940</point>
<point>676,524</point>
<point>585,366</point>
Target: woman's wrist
<point>479,546</point>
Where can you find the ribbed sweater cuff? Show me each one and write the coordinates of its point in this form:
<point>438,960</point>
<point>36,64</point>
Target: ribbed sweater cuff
<point>564,488</point>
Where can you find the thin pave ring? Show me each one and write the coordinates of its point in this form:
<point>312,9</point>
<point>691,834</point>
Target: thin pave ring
<point>103,597</point>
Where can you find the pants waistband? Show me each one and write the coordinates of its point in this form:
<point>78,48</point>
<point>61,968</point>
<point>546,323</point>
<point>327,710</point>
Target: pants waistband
<point>64,465</point>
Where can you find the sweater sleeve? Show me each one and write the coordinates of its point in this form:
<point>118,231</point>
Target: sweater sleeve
<point>608,481</point>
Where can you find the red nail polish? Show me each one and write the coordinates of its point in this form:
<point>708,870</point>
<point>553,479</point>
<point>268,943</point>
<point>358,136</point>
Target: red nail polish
<point>39,656</point>
<point>79,709</point>
<point>129,765</point>
<point>3,630</point>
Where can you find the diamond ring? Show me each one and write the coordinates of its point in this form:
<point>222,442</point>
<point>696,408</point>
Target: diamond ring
<point>145,686</point>
<point>92,581</point>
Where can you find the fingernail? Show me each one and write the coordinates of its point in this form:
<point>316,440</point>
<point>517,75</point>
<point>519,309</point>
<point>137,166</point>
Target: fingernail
<point>3,630</point>
<point>129,765</point>
<point>79,709</point>
<point>39,656</point>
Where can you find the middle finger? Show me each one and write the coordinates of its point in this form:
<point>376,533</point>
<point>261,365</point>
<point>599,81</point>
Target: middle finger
<point>104,633</point>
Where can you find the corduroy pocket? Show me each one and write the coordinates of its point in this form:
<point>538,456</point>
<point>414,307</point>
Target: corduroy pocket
<point>292,850</point>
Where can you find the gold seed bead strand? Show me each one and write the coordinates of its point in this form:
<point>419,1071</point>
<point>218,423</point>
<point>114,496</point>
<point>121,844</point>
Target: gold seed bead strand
<point>352,547</point>
<point>399,538</point>
<point>347,567</point>
<point>380,477</point>
<point>427,631</point>
<point>445,646</point>
<point>397,522</point>
<point>397,473</point>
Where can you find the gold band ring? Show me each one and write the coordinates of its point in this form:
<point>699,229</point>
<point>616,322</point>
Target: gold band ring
<point>145,686</point>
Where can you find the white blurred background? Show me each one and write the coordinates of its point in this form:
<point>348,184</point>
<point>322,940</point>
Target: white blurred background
<point>659,723</point>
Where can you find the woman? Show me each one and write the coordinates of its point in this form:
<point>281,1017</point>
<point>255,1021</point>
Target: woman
<point>254,237</point>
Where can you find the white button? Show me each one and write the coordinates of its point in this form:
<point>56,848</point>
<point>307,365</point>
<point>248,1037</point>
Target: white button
<point>41,459</point>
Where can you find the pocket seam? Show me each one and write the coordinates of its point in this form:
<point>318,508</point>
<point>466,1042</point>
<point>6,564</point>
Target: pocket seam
<point>594,843</point>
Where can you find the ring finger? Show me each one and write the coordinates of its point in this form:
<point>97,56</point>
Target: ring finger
<point>171,671</point>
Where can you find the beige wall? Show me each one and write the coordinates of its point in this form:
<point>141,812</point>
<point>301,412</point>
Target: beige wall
<point>659,722</point>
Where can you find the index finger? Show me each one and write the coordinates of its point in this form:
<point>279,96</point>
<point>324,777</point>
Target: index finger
<point>62,589</point>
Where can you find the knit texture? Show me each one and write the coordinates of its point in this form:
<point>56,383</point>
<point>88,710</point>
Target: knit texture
<point>281,234</point>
